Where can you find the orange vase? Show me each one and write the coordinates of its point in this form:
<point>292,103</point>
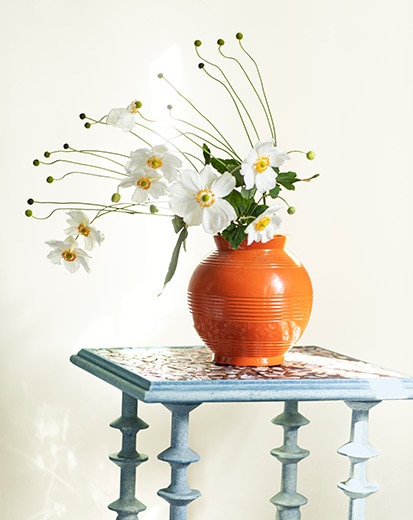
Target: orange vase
<point>250,305</point>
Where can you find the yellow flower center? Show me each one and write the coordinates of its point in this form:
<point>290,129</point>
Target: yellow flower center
<point>262,223</point>
<point>205,198</point>
<point>83,230</point>
<point>144,183</point>
<point>154,162</point>
<point>69,255</point>
<point>262,163</point>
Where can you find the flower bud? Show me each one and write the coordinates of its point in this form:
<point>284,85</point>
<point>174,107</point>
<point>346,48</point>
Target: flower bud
<point>116,197</point>
<point>138,104</point>
<point>220,42</point>
<point>239,36</point>
<point>82,116</point>
<point>36,162</point>
<point>310,155</point>
<point>46,154</point>
<point>65,146</point>
<point>201,65</point>
<point>50,179</point>
<point>160,75</point>
<point>30,202</point>
<point>291,210</point>
<point>28,212</point>
<point>87,125</point>
<point>153,209</point>
<point>197,43</point>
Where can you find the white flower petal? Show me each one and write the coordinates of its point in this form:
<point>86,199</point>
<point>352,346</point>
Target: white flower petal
<point>223,185</point>
<point>60,250</point>
<point>207,176</point>
<point>196,197</point>
<point>267,231</point>
<point>218,216</point>
<point>121,118</point>
<point>170,172</point>
<point>128,181</point>
<point>72,267</point>
<point>159,149</point>
<point>193,214</point>
<point>191,181</point>
<point>139,196</point>
<point>266,180</point>
<point>262,174</point>
<point>278,157</point>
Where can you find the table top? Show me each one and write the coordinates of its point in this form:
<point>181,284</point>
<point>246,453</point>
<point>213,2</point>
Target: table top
<point>188,375</point>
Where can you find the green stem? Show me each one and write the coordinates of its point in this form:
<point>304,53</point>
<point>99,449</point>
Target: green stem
<point>79,164</point>
<point>235,94</point>
<point>100,154</point>
<point>267,115</point>
<point>196,143</point>
<point>235,104</point>
<point>161,76</point>
<point>89,174</point>
<point>268,111</point>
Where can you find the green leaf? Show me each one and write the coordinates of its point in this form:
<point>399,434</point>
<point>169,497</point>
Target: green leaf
<point>288,176</point>
<point>275,191</point>
<point>235,235</point>
<point>206,153</point>
<point>259,208</point>
<point>287,180</point>
<point>178,223</point>
<point>241,204</point>
<point>248,194</point>
<point>175,256</point>
<point>236,201</point>
<point>224,165</point>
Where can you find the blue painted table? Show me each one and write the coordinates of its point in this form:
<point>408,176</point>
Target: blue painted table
<point>182,378</point>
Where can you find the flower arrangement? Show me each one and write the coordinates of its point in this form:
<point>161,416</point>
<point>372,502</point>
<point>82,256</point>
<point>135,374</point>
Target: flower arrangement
<point>233,194</point>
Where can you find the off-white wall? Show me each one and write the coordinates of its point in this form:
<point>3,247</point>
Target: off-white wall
<point>340,79</point>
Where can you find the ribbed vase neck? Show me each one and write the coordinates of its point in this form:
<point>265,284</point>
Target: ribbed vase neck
<point>278,242</point>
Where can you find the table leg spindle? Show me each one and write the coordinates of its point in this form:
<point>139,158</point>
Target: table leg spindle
<point>127,506</point>
<point>288,501</point>
<point>359,451</point>
<point>179,456</point>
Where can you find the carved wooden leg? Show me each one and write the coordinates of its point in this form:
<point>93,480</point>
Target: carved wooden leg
<point>179,456</point>
<point>288,501</point>
<point>359,451</point>
<point>127,506</point>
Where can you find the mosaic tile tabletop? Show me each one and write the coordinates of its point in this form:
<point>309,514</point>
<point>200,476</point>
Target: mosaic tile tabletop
<point>189,364</point>
<point>189,373</point>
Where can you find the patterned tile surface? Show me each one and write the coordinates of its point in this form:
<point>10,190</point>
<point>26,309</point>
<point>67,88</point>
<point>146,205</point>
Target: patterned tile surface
<point>195,364</point>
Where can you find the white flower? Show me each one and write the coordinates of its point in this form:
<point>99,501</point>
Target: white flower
<point>264,227</point>
<point>79,224</point>
<point>147,183</point>
<point>157,158</point>
<point>257,168</point>
<point>123,117</point>
<point>70,253</point>
<point>197,198</point>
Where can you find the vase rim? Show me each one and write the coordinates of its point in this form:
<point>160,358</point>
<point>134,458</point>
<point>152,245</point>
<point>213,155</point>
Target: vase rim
<point>278,241</point>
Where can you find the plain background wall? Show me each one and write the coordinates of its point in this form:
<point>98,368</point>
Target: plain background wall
<point>340,80</point>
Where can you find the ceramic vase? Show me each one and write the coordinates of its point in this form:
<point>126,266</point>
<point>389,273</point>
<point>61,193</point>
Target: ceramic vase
<point>250,305</point>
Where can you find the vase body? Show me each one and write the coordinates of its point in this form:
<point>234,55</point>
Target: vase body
<point>250,305</point>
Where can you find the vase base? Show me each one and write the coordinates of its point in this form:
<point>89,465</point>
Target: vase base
<point>248,361</point>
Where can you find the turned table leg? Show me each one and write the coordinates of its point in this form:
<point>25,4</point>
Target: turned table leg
<point>127,506</point>
<point>359,451</point>
<point>179,456</point>
<point>288,501</point>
